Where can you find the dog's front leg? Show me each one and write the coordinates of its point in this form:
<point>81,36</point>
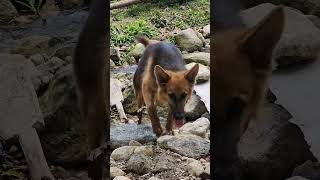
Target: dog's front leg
<point>155,122</point>
<point>170,123</point>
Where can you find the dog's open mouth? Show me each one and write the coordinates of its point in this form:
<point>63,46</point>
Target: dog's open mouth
<point>179,122</point>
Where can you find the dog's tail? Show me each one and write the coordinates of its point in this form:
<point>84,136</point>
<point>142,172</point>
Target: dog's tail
<point>143,40</point>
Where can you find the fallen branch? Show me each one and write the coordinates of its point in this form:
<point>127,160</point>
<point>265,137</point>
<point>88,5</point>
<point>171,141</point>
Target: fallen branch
<point>124,3</point>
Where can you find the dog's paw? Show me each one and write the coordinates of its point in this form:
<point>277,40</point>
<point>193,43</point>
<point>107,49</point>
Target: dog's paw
<point>158,131</point>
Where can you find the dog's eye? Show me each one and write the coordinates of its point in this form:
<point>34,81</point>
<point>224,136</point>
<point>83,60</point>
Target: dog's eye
<point>235,108</point>
<point>183,95</point>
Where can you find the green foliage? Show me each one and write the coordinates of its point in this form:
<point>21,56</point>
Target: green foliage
<point>126,33</point>
<point>12,173</point>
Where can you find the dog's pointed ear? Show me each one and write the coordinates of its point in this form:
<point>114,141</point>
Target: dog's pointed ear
<point>259,41</point>
<point>192,74</point>
<point>161,75</point>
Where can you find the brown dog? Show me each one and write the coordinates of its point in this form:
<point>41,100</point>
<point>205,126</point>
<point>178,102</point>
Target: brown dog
<point>241,68</point>
<point>162,79</point>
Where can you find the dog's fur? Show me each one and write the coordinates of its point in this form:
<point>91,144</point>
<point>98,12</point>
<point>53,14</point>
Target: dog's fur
<point>240,71</point>
<point>90,70</point>
<point>162,79</point>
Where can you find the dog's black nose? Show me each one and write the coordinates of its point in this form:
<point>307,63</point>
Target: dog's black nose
<point>178,116</point>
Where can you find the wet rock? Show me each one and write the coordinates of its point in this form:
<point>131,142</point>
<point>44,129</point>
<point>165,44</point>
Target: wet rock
<point>194,167</point>
<point>137,51</point>
<point>139,164</point>
<point>203,74</point>
<point>271,148</point>
<point>198,127</point>
<point>300,41</point>
<point>7,11</point>
<point>186,145</point>
<point>63,135</point>
<point>122,134</point>
<point>309,170</point>
<point>187,40</point>
<point>206,31</point>
<point>197,57</point>
<point>114,171</point>
<point>194,108</point>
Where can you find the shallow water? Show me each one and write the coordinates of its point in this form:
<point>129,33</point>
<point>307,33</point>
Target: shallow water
<point>298,90</point>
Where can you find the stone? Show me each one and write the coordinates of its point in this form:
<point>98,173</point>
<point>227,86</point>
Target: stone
<point>163,163</point>
<point>32,45</point>
<point>154,178</point>
<point>195,168</point>
<point>115,54</point>
<point>64,51</point>
<point>37,59</point>
<point>139,164</point>
<point>315,20</point>
<point>203,74</point>
<point>134,143</point>
<point>309,170</point>
<point>137,51</point>
<point>114,171</point>
<point>123,153</point>
<point>7,11</point>
<point>122,134</point>
<point>198,127</point>
<point>300,41</point>
<point>197,57</point>
<point>144,150</point>
<point>206,31</point>
<point>185,145</point>
<point>297,178</point>
<point>271,148</point>
<point>194,108</point>
<point>188,40</point>
<point>121,178</point>
<point>63,136</point>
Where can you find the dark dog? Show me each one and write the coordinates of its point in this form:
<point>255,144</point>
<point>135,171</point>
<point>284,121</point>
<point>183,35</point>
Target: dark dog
<point>162,79</point>
<point>241,68</point>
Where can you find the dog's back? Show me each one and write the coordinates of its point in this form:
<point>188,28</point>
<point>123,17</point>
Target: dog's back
<point>164,54</point>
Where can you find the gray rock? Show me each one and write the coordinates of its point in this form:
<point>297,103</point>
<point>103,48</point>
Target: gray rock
<point>309,170</point>
<point>185,145</point>
<point>7,11</point>
<point>198,127</point>
<point>188,40</point>
<point>64,51</point>
<point>63,136</point>
<point>154,178</point>
<point>37,59</point>
<point>271,148</point>
<point>194,108</point>
<point>115,54</point>
<point>123,153</point>
<point>195,168</point>
<point>203,74</point>
<point>121,178</point>
<point>122,134</point>
<point>197,57</point>
<point>163,163</point>
<point>297,178</point>
<point>315,20</point>
<point>69,4</point>
<point>137,51</point>
<point>140,164</point>
<point>206,31</point>
<point>134,143</point>
<point>32,45</point>
<point>114,171</point>
<point>306,6</point>
<point>300,41</point>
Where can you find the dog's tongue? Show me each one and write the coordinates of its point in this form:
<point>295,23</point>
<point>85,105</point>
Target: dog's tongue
<point>179,123</point>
